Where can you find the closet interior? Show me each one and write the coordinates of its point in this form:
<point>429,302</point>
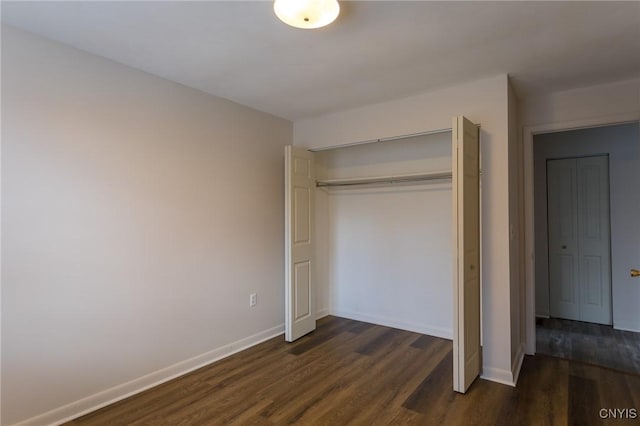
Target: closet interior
<point>383,227</point>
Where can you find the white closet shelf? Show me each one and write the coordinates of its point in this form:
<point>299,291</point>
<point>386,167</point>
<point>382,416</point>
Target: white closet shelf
<point>414,177</point>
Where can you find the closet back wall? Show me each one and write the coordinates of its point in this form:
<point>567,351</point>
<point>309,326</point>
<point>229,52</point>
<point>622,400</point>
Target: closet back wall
<point>388,246</point>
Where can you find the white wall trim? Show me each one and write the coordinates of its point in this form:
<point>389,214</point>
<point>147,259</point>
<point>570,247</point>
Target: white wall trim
<point>517,365</point>
<point>627,326</point>
<point>497,375</point>
<point>387,322</point>
<point>322,313</point>
<point>528,133</point>
<point>96,401</point>
<point>505,377</point>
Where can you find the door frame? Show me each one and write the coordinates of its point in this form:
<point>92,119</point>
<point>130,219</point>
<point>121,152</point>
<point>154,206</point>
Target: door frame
<point>529,213</point>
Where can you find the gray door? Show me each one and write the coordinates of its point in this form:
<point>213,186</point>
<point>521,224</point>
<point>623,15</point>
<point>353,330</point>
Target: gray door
<point>579,239</point>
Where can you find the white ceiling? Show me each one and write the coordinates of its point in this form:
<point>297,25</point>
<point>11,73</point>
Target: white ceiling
<point>375,51</point>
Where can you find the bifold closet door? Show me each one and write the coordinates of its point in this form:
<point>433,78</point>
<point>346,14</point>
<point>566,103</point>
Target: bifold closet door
<point>300,185</point>
<point>579,239</point>
<point>466,253</point>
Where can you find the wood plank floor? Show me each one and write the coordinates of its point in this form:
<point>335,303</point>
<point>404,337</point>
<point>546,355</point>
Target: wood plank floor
<point>590,343</point>
<point>349,372</point>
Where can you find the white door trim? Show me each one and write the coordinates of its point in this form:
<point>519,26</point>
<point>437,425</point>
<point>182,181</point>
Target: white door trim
<point>529,231</point>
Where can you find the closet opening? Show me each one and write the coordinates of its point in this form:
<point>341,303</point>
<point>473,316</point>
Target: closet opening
<point>384,249</point>
<point>369,237</point>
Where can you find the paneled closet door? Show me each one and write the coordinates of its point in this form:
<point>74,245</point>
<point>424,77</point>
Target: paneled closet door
<point>300,183</point>
<point>562,213</point>
<point>466,242</point>
<point>579,239</point>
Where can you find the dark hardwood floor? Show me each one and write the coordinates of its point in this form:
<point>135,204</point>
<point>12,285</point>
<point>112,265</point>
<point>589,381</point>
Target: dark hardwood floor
<point>590,343</point>
<point>349,372</point>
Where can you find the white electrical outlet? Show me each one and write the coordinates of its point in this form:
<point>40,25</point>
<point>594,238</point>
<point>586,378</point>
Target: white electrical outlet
<point>253,299</point>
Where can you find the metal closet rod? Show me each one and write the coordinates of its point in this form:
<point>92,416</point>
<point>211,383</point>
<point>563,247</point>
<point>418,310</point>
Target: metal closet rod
<point>385,179</point>
<point>389,138</point>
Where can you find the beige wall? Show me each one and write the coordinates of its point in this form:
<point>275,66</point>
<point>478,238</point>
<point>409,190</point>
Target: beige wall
<point>137,216</point>
<point>579,105</point>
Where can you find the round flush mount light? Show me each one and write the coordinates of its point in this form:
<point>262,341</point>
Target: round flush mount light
<point>307,14</point>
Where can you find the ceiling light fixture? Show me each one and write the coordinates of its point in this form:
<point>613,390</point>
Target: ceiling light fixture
<point>307,14</point>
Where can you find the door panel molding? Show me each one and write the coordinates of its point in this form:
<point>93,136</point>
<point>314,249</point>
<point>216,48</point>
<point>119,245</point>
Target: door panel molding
<point>299,243</point>
<point>584,181</point>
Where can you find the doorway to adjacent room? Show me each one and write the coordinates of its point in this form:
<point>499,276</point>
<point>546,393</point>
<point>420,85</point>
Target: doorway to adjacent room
<point>586,242</point>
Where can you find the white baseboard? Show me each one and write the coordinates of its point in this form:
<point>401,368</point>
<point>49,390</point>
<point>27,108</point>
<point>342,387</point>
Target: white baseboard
<point>627,326</point>
<point>387,322</point>
<point>517,364</point>
<point>91,403</point>
<point>542,316</point>
<point>322,313</point>
<point>503,376</point>
<point>497,375</point>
